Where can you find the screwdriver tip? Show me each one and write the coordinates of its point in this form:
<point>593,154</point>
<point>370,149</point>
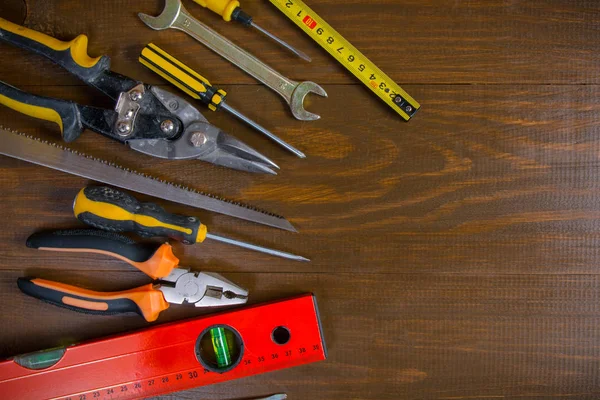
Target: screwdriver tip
<point>303,55</point>
<point>297,52</point>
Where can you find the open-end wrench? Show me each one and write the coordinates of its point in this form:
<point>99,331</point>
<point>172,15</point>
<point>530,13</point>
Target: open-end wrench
<point>176,16</point>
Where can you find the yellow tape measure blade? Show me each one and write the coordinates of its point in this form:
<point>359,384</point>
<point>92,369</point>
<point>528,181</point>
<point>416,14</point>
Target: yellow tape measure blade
<point>349,56</point>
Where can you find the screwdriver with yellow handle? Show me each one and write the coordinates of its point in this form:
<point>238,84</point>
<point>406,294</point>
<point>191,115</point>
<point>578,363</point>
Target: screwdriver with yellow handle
<point>116,211</point>
<point>230,10</point>
<point>198,87</point>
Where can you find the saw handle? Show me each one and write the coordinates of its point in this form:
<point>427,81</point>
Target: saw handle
<point>63,113</point>
<point>144,300</point>
<point>113,210</point>
<point>156,263</point>
<point>72,55</point>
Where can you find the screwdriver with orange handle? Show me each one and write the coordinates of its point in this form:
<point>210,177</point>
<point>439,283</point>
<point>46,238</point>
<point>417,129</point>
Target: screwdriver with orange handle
<point>116,211</point>
<point>171,284</point>
<point>230,10</point>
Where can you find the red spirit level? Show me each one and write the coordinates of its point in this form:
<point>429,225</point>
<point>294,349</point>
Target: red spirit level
<point>172,357</point>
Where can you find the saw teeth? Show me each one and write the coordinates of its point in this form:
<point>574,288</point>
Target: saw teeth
<point>188,189</point>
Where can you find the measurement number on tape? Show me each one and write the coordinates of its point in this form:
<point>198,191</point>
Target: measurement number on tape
<point>349,56</point>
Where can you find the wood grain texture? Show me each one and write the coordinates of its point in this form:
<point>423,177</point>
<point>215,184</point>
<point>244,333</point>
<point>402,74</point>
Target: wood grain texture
<point>454,256</point>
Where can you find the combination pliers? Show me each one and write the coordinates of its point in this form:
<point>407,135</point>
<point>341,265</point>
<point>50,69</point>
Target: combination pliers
<point>146,118</point>
<point>171,285</point>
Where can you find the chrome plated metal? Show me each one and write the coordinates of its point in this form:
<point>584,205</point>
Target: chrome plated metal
<point>286,45</point>
<point>127,109</point>
<point>175,16</point>
<point>217,147</point>
<point>253,247</point>
<point>202,289</point>
<point>259,128</point>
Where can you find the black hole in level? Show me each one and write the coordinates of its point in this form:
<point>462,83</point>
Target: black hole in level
<point>281,335</point>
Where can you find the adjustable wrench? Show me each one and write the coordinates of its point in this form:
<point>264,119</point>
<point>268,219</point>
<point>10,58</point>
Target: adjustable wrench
<point>175,16</point>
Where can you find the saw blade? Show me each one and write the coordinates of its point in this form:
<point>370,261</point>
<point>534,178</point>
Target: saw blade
<point>27,148</point>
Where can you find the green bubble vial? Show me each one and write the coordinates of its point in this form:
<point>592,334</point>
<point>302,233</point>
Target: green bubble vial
<point>221,347</point>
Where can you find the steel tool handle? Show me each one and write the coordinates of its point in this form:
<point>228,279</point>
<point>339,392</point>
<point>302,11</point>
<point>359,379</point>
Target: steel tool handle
<point>144,300</point>
<point>70,55</point>
<point>182,76</point>
<point>112,210</point>
<point>156,263</point>
<point>65,114</point>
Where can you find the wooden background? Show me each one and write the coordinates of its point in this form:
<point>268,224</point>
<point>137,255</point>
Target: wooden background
<point>454,257</point>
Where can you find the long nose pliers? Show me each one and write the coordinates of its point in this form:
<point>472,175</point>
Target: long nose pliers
<point>171,285</point>
<point>146,118</point>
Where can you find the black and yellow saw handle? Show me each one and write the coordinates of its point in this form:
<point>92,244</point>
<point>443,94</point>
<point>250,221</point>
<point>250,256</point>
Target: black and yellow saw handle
<point>112,210</point>
<point>182,76</point>
<point>70,55</point>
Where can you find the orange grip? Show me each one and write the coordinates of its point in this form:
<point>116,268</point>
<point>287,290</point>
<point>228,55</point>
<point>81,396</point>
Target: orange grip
<point>144,300</point>
<point>156,263</point>
<point>159,265</point>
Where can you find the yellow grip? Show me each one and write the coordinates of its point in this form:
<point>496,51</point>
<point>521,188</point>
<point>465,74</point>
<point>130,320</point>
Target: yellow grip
<point>222,7</point>
<point>39,112</point>
<point>77,46</point>
<point>174,71</point>
<point>116,211</point>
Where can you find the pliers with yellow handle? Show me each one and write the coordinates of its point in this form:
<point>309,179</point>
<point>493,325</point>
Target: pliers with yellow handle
<point>171,285</point>
<point>146,118</point>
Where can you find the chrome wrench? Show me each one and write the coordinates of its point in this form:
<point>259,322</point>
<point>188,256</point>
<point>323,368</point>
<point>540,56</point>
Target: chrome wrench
<point>175,16</point>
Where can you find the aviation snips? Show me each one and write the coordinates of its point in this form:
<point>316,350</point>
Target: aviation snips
<point>146,118</point>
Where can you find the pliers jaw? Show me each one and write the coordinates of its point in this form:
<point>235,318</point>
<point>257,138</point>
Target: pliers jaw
<point>202,289</point>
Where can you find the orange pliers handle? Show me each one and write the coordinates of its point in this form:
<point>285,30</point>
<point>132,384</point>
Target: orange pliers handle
<point>155,262</point>
<point>144,300</point>
<point>147,300</point>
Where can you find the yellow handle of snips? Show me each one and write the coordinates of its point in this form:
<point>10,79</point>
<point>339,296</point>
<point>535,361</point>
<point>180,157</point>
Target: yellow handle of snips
<point>70,55</point>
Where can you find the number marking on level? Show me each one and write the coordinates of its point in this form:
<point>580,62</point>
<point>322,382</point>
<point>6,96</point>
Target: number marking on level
<point>179,380</point>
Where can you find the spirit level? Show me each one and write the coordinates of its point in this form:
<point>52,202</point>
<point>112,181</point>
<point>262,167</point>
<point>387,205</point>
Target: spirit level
<point>352,59</point>
<point>172,357</point>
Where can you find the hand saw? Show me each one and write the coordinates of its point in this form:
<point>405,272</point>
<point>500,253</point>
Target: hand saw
<point>27,148</point>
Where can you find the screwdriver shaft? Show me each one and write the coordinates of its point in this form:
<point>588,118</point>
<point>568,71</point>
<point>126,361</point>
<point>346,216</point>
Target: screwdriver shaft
<point>281,42</point>
<point>259,128</point>
<point>260,249</point>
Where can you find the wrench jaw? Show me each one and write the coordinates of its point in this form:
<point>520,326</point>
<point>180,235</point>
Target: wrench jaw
<point>174,11</point>
<point>166,19</point>
<point>297,100</point>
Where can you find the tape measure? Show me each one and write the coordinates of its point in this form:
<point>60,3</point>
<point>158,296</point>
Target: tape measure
<point>352,59</point>
<point>172,357</point>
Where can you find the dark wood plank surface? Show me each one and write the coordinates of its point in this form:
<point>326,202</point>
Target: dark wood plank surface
<point>454,256</point>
